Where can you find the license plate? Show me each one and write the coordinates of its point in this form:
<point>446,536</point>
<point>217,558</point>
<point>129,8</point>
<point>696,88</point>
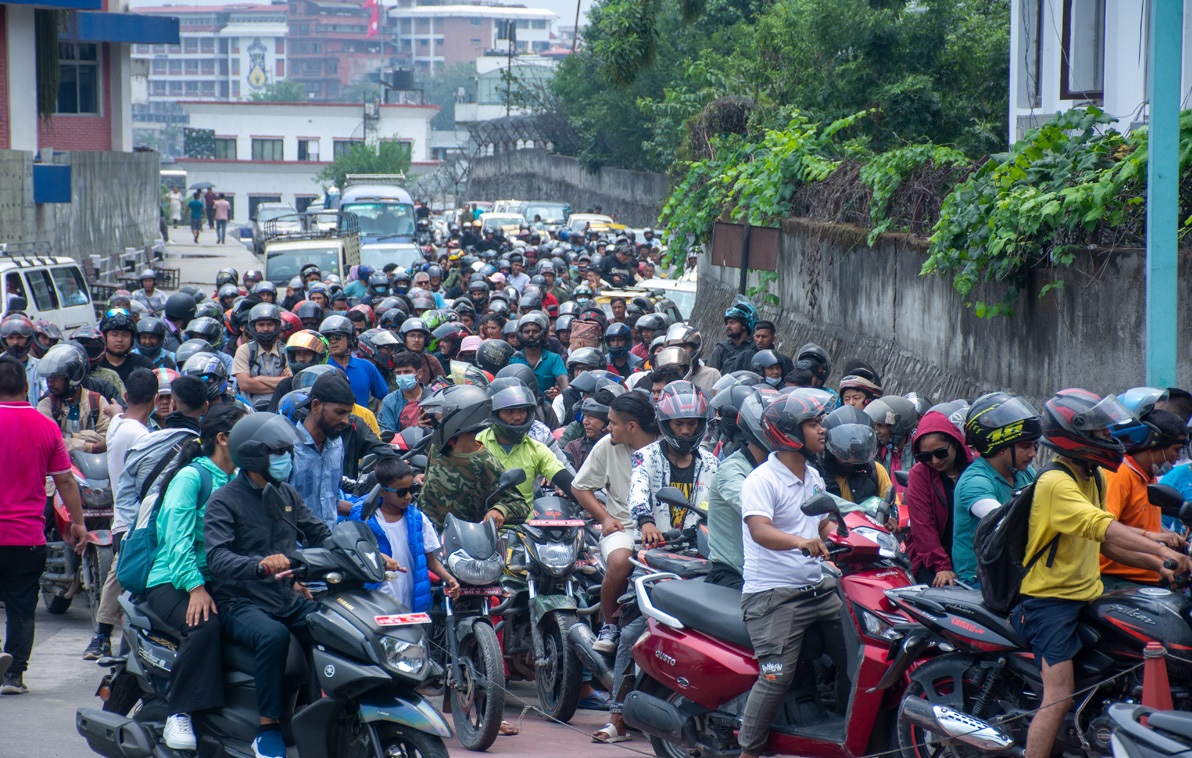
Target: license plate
<point>581,563</point>
<point>556,522</point>
<point>402,619</point>
<point>489,591</point>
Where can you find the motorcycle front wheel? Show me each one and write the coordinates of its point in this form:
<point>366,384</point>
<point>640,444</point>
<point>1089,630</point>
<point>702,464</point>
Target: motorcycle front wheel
<point>406,742</point>
<point>478,701</point>
<point>559,681</point>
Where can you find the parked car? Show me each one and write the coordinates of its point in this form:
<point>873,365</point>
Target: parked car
<point>273,218</point>
<point>53,288</point>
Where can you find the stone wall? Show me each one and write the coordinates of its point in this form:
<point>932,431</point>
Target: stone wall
<point>871,303</point>
<point>114,202</point>
<point>634,197</point>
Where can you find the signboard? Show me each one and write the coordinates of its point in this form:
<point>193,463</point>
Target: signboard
<point>728,246</point>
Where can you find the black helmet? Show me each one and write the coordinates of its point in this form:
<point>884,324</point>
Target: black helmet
<point>228,291</point>
<point>211,369</point>
<point>306,378</point>
<point>896,412</point>
<point>463,306</point>
<point>850,439</point>
<point>392,319</point>
<point>336,324</point>
<point>682,400</point>
<point>63,361</point>
<point>815,359</point>
<point>494,355</point>
<point>651,322</point>
<point>534,318</point>
<point>118,320</point>
<point>996,421</point>
<point>513,397</point>
<point>749,419</point>
<point>462,408</point>
<point>180,308</point>
<point>727,405</point>
<point>226,276</point>
<point>258,435</point>
<point>207,329</point>
<point>155,327</point>
<point>264,312</point>
<point>569,308</point>
<point>19,325</point>
<point>91,339</point>
<point>188,349</point>
<point>522,373</point>
<point>378,284</point>
<point>762,360</point>
<point>309,313</point>
<point>1070,418</point>
<point>588,358</point>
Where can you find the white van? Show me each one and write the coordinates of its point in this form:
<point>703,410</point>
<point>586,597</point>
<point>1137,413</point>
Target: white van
<point>54,288</point>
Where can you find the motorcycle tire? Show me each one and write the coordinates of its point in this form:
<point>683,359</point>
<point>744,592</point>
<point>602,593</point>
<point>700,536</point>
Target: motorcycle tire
<point>99,563</point>
<point>478,702</point>
<point>937,682</point>
<point>399,741</point>
<point>661,747</point>
<point>55,604</point>
<point>560,680</point>
<point>124,693</point>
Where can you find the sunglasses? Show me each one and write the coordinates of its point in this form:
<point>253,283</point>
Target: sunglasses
<point>940,453</point>
<point>403,492</point>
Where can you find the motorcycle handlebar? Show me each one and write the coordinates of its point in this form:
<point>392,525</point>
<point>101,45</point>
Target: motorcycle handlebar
<point>833,549</point>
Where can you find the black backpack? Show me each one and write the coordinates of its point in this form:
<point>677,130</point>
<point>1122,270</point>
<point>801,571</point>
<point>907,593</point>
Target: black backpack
<point>1000,547</point>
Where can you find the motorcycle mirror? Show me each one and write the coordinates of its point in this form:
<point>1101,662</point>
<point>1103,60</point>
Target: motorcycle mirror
<point>902,477</point>
<point>672,496</point>
<point>368,463</point>
<point>387,436</point>
<point>824,505</point>
<point>1168,498</point>
<point>419,462</point>
<point>371,503</point>
<point>510,479</point>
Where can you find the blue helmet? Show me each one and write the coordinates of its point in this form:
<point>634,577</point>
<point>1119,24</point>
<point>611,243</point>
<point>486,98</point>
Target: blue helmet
<point>1137,434</point>
<point>742,310</point>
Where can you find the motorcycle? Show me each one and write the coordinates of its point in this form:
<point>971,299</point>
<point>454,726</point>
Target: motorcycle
<point>369,655</point>
<point>475,682</point>
<point>976,699</point>
<point>544,605</point>
<point>67,572</point>
<point>697,666</point>
<point>1140,732</point>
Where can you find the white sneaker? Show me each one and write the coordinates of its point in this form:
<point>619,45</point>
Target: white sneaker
<point>178,733</point>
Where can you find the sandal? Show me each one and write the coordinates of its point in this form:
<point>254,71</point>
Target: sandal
<point>508,730</point>
<point>608,735</point>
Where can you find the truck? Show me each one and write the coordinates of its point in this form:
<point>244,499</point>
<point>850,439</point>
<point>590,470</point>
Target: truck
<point>385,213</point>
<point>334,249</point>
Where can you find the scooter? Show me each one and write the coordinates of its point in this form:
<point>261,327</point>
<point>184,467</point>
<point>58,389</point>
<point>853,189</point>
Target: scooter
<point>369,655</point>
<point>67,572</point>
<point>697,664</point>
<point>1141,732</point>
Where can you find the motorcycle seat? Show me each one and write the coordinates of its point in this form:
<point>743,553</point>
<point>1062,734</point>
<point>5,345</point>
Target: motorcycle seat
<point>240,657</point>
<point>968,603</point>
<point>1172,722</point>
<point>686,567</point>
<point>707,608</point>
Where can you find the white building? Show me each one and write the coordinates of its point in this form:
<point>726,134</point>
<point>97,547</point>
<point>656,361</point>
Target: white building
<point>430,37</point>
<point>1067,53</point>
<point>272,152</point>
<point>493,89</point>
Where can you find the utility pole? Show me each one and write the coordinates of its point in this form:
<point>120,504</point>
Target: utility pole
<point>1162,201</point>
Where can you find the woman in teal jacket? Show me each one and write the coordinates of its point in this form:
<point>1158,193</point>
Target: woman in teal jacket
<point>177,586</point>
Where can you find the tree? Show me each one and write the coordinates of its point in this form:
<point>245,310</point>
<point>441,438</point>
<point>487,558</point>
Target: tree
<point>388,156</point>
<point>285,91</point>
<point>361,90</point>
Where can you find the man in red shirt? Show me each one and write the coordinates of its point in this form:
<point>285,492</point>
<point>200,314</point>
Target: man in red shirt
<point>31,448</point>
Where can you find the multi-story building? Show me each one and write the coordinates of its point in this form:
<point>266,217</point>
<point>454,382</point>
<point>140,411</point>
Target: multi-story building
<point>329,46</point>
<point>431,37</point>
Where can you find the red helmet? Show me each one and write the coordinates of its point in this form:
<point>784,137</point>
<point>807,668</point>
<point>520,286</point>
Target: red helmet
<point>782,420</point>
<point>368,313</point>
<point>1070,419</point>
<point>682,400</point>
<point>290,323</point>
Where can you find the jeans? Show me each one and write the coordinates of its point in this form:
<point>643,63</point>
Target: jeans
<point>221,230</point>
<point>623,665</point>
<point>196,681</point>
<point>20,582</point>
<point>269,636</point>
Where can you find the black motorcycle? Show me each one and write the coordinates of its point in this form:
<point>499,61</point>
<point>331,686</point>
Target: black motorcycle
<point>369,655</point>
<point>1141,732</point>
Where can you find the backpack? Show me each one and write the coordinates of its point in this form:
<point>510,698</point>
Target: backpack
<point>56,407</point>
<point>139,547</point>
<point>1000,546</point>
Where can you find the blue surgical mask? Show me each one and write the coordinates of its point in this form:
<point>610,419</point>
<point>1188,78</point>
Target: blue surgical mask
<point>1162,470</point>
<point>280,466</point>
<point>407,382</point>
<point>773,381</point>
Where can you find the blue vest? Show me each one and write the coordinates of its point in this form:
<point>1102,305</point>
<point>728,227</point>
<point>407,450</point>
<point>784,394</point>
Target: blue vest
<point>422,594</point>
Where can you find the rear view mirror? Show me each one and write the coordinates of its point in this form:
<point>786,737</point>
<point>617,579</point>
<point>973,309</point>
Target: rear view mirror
<point>419,462</point>
<point>371,502</point>
<point>511,478</point>
<point>824,505</point>
<point>1168,498</point>
<point>672,496</point>
<point>387,436</point>
<point>902,477</point>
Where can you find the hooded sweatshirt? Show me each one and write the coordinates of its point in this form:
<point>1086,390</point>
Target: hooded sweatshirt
<point>929,500</point>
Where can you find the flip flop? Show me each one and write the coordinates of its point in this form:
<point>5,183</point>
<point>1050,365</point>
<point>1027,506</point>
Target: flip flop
<point>608,735</point>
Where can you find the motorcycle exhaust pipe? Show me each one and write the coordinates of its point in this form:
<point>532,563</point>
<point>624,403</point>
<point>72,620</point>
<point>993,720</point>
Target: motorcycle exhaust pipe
<point>958,725</point>
<point>580,636</point>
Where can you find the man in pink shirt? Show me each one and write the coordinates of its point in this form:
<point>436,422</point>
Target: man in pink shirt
<point>31,448</point>
<point>222,211</point>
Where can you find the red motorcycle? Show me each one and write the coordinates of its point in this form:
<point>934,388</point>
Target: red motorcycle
<point>697,666</point>
<point>67,572</point>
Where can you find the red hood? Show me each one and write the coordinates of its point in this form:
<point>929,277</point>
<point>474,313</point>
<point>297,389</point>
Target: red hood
<point>934,422</point>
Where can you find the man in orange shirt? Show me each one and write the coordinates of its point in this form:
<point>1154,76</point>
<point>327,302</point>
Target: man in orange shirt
<point>1148,456</point>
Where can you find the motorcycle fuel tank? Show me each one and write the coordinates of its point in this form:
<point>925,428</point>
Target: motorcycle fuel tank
<point>1129,619</point>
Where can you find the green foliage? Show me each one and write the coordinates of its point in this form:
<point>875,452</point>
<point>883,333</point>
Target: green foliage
<point>885,172</point>
<point>385,157</point>
<point>285,91</point>
<point>1069,184</point>
<point>198,143</point>
<point>362,90</point>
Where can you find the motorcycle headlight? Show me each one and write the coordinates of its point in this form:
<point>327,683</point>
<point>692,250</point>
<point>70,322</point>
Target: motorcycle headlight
<point>556,555</point>
<point>94,494</point>
<point>404,657</point>
<point>473,570</point>
<point>887,545</point>
<point>875,626</point>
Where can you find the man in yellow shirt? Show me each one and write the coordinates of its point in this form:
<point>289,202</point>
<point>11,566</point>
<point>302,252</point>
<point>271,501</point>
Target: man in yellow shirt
<point>1152,445</point>
<point>1070,527</point>
<point>513,415</point>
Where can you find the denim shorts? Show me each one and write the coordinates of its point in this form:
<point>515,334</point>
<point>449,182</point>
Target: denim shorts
<point>1051,626</point>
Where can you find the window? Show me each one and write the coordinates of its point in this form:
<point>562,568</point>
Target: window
<point>192,88</point>
<point>1082,59</point>
<point>538,24</point>
<point>1030,52</point>
<point>267,150</point>
<point>281,68</point>
<point>223,45</point>
<point>342,147</point>
<point>208,89</point>
<point>71,286</point>
<point>207,67</point>
<point>477,21</point>
<point>159,49</point>
<point>332,67</point>
<point>235,67</point>
<point>158,88</point>
<point>281,46</point>
<point>43,291</point>
<point>192,68</point>
<point>308,149</point>
<point>476,40</point>
<point>207,45</point>
<point>175,68</point>
<point>236,89</point>
<point>235,45</point>
<point>225,148</point>
<point>78,78</point>
<point>302,202</point>
<point>176,89</point>
<point>223,67</point>
<point>190,45</point>
<point>158,67</point>
<point>223,90</point>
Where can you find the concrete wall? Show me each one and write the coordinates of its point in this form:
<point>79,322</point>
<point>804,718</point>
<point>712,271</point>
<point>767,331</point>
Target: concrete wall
<point>635,197</point>
<point>871,303</point>
<point>114,202</point>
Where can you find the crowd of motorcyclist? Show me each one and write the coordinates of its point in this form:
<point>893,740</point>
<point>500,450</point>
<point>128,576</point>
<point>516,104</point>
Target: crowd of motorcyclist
<point>239,405</point>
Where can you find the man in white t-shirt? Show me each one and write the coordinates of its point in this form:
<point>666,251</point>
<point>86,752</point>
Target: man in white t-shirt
<point>785,592</point>
<point>124,431</point>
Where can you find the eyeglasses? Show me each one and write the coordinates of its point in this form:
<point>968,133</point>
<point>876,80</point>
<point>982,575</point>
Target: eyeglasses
<point>940,453</point>
<point>403,492</point>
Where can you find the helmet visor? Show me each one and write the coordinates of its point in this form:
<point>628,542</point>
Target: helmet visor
<point>1103,415</point>
<point>1014,409</point>
<point>852,444</point>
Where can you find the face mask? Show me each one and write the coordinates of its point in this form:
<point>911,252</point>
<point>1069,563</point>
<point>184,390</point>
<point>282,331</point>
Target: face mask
<point>773,381</point>
<point>1160,471</point>
<point>280,466</point>
<point>407,382</point>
